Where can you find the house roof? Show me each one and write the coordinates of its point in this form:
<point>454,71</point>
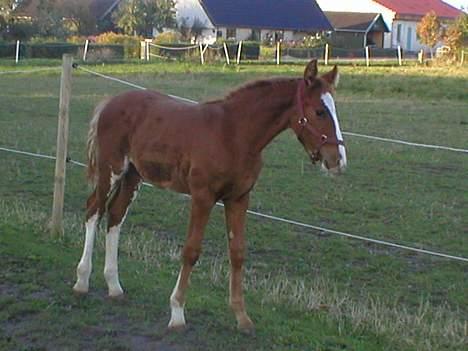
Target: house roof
<point>101,8</point>
<point>357,21</point>
<point>303,15</point>
<point>421,7</point>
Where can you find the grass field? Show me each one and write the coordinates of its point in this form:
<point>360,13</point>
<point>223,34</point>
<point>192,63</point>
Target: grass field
<point>306,290</point>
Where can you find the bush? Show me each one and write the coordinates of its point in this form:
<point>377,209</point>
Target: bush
<point>7,50</point>
<point>250,50</point>
<point>77,39</point>
<point>49,50</point>
<point>44,40</point>
<point>168,38</point>
<point>130,43</point>
<point>21,30</point>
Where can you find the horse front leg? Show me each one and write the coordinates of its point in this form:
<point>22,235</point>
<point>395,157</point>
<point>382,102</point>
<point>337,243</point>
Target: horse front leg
<point>200,212</point>
<point>235,211</point>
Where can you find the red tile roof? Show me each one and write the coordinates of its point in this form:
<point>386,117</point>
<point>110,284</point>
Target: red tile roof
<point>421,7</point>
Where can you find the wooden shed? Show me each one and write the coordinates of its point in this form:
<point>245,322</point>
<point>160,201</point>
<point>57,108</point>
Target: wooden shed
<point>354,30</point>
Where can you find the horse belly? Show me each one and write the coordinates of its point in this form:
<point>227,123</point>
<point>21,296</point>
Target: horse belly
<point>165,175</point>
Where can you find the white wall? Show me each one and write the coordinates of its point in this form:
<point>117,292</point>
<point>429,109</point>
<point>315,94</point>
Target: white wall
<point>189,10</point>
<point>407,38</point>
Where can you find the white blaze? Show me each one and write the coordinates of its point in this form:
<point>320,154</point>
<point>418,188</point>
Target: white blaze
<point>329,102</point>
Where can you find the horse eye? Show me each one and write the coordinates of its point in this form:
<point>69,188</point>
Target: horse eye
<point>320,113</point>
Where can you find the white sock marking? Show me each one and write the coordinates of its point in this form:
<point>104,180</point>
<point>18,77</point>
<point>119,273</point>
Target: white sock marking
<point>111,269</point>
<point>329,102</point>
<point>83,271</point>
<point>177,310</point>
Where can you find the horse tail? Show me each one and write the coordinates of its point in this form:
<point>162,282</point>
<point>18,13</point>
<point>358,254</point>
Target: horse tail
<point>92,142</point>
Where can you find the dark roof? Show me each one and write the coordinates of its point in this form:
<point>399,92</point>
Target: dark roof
<point>357,21</point>
<point>302,15</point>
<point>101,8</point>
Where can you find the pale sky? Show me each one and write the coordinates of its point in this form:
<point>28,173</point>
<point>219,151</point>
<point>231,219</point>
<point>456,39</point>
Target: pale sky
<point>458,3</point>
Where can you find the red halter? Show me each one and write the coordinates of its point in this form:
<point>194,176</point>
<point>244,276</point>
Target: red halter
<point>320,139</point>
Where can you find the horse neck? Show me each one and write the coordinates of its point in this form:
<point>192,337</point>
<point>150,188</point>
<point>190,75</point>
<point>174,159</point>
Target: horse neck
<point>262,111</point>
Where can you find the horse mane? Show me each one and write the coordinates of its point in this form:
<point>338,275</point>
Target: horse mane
<point>257,87</point>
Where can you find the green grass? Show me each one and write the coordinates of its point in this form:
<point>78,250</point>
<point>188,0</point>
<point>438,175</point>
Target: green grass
<point>305,290</point>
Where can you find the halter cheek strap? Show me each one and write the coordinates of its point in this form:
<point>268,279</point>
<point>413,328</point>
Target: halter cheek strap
<point>304,124</point>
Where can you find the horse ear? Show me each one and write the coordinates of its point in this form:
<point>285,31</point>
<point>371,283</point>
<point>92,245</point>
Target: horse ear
<point>310,72</point>
<point>332,77</point>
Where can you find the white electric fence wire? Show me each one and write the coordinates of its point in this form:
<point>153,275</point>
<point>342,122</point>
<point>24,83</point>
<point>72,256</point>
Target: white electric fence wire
<point>175,48</point>
<point>283,220</point>
<point>395,141</point>
<point>427,146</point>
<point>32,70</point>
<point>130,84</point>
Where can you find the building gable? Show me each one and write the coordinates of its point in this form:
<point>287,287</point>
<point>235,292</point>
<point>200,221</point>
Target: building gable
<point>357,21</point>
<point>419,8</point>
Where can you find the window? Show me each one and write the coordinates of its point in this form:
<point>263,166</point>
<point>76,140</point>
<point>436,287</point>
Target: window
<point>409,39</point>
<point>219,34</point>
<point>398,34</point>
<point>231,33</point>
<point>256,34</point>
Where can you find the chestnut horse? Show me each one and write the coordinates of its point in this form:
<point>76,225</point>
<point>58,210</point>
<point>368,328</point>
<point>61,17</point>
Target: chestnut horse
<point>212,151</point>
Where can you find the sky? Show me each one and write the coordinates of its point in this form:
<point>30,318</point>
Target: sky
<point>458,3</point>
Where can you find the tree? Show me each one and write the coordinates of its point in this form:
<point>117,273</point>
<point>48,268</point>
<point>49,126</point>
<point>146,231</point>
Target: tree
<point>49,19</point>
<point>141,16</point>
<point>456,36</point>
<point>6,6</point>
<point>128,16</point>
<point>79,13</point>
<point>429,30</point>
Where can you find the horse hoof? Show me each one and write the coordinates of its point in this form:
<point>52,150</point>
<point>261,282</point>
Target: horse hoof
<point>247,328</point>
<point>116,297</point>
<point>176,327</point>
<point>79,291</point>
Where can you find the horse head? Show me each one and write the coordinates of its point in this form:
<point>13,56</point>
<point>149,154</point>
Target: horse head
<point>317,126</point>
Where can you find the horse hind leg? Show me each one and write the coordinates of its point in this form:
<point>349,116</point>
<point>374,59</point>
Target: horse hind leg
<point>126,191</point>
<point>83,271</point>
<point>95,209</point>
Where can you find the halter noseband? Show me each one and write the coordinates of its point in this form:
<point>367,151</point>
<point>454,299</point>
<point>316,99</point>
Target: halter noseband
<point>321,139</point>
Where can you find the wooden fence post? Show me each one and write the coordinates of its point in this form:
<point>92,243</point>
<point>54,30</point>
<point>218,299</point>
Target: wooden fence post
<point>400,58</point>
<point>202,59</point>
<point>56,222</point>
<point>226,52</point>
<point>327,53</point>
<point>85,51</point>
<point>147,50</point>
<point>143,50</point>
<point>239,52</point>
<point>367,56</point>
<point>17,53</point>
<point>278,52</point>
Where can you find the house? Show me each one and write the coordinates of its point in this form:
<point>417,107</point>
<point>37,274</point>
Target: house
<point>354,30</point>
<point>253,19</point>
<point>102,10</point>
<point>401,16</point>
